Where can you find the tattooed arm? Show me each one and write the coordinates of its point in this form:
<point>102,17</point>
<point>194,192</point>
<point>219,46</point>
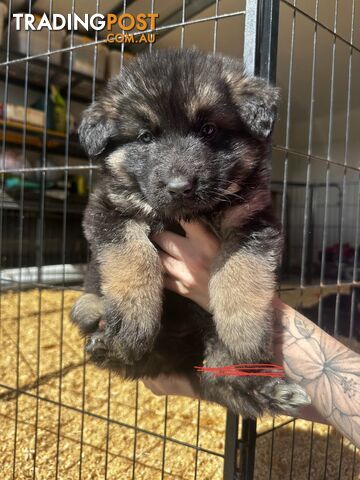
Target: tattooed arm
<point>329,371</point>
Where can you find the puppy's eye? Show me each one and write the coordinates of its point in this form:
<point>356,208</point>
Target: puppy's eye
<point>208,130</point>
<point>146,137</point>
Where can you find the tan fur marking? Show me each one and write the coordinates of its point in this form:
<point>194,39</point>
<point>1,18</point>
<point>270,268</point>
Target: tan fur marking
<point>148,113</point>
<point>115,162</point>
<point>115,159</point>
<point>241,292</point>
<point>241,84</point>
<point>205,97</point>
<point>236,80</point>
<point>131,273</point>
<point>125,199</point>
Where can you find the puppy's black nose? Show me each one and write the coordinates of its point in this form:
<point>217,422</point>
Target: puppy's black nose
<point>180,186</point>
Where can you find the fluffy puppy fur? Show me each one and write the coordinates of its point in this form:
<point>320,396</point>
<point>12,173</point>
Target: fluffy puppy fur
<point>181,134</point>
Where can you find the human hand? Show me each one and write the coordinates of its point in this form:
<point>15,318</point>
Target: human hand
<point>171,385</point>
<point>187,261</point>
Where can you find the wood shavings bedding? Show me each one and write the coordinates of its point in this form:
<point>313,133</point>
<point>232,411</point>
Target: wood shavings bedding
<point>49,344</point>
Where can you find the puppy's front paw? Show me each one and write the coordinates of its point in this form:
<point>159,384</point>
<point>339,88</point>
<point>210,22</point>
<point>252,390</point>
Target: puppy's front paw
<point>96,345</point>
<point>284,397</point>
<point>99,349</point>
<point>130,335</point>
<point>104,348</point>
<point>134,340</point>
<point>87,312</point>
<point>118,342</point>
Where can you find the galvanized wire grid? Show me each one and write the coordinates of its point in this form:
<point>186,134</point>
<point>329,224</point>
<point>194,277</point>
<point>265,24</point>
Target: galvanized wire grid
<point>16,70</point>
<point>311,202</point>
<point>284,151</point>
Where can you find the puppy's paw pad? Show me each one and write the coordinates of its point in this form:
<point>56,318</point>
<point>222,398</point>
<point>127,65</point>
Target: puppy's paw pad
<point>288,397</point>
<point>96,345</point>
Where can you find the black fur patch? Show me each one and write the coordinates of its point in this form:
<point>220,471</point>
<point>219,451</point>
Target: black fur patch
<point>181,134</point>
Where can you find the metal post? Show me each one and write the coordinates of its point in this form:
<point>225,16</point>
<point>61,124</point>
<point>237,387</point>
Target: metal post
<point>247,449</point>
<point>261,34</point>
<point>310,232</point>
<point>231,445</point>
<point>260,53</point>
<point>251,36</point>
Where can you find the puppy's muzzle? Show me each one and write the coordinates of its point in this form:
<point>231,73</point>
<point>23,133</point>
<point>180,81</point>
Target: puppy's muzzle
<point>181,187</point>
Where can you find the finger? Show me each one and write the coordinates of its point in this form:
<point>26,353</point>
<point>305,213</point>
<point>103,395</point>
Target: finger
<point>171,385</point>
<point>171,243</point>
<point>200,236</point>
<point>152,386</point>
<point>173,267</point>
<point>175,286</point>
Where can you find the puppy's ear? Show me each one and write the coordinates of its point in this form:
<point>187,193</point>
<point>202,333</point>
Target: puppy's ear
<point>257,103</point>
<point>96,129</point>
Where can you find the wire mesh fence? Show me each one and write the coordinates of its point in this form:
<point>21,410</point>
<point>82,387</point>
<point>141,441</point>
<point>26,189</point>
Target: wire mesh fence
<point>316,172</point>
<point>62,418</point>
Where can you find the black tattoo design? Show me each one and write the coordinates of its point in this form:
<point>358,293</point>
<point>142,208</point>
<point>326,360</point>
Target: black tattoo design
<point>329,371</point>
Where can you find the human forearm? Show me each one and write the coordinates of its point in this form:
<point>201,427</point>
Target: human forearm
<point>329,371</point>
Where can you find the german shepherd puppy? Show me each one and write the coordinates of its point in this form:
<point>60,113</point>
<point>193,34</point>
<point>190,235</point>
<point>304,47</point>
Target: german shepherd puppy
<point>181,134</point>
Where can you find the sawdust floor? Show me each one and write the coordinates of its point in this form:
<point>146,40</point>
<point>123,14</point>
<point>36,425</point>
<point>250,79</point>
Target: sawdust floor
<point>59,441</point>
